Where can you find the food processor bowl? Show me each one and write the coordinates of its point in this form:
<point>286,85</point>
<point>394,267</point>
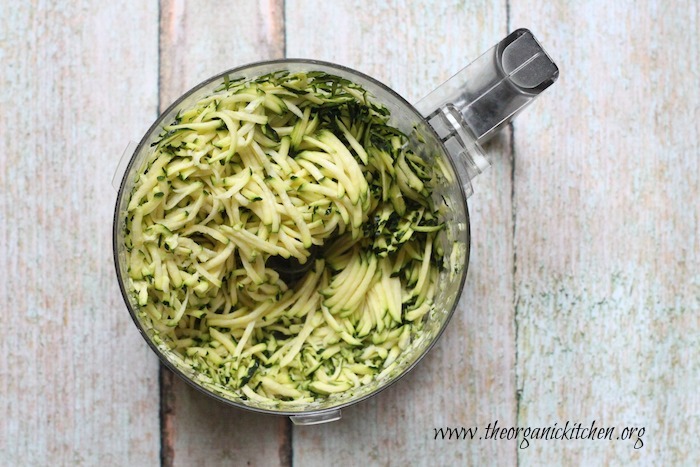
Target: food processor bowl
<point>446,129</point>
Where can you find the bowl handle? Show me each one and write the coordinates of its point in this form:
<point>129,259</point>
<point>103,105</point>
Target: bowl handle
<point>473,105</point>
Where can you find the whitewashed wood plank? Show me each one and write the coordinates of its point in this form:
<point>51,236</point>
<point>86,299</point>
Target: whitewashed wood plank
<point>202,431</point>
<point>198,40</point>
<point>608,259</point>
<point>78,385</point>
<point>201,39</point>
<point>468,379</point>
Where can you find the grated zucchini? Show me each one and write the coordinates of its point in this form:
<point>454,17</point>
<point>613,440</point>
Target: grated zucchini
<point>273,167</point>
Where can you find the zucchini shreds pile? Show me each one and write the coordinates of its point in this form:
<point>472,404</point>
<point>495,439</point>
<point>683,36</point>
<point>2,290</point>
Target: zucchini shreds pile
<point>270,168</point>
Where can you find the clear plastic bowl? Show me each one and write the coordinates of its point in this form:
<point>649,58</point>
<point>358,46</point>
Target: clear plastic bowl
<point>454,240</point>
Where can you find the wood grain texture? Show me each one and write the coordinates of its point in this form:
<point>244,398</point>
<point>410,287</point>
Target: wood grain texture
<point>78,383</point>
<point>204,432</point>
<point>468,379</point>
<point>198,40</point>
<point>201,39</point>
<point>608,265</point>
<point>582,300</point>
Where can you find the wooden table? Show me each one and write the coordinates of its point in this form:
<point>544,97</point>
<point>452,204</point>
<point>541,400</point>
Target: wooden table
<point>582,300</point>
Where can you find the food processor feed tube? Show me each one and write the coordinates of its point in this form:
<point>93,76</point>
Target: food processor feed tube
<point>469,108</point>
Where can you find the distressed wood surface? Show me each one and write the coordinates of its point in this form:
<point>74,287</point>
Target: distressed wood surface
<point>77,385</point>
<point>582,300</point>
<point>608,259</point>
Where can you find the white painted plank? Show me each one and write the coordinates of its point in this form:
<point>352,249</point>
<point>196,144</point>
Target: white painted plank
<point>468,379</point>
<point>201,39</point>
<point>608,258</point>
<point>204,432</point>
<point>78,385</point>
<point>198,40</point>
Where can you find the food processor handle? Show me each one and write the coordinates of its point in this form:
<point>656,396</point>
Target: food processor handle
<point>469,108</point>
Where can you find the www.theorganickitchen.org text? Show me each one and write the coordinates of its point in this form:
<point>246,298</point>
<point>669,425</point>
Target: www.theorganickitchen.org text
<point>557,431</point>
